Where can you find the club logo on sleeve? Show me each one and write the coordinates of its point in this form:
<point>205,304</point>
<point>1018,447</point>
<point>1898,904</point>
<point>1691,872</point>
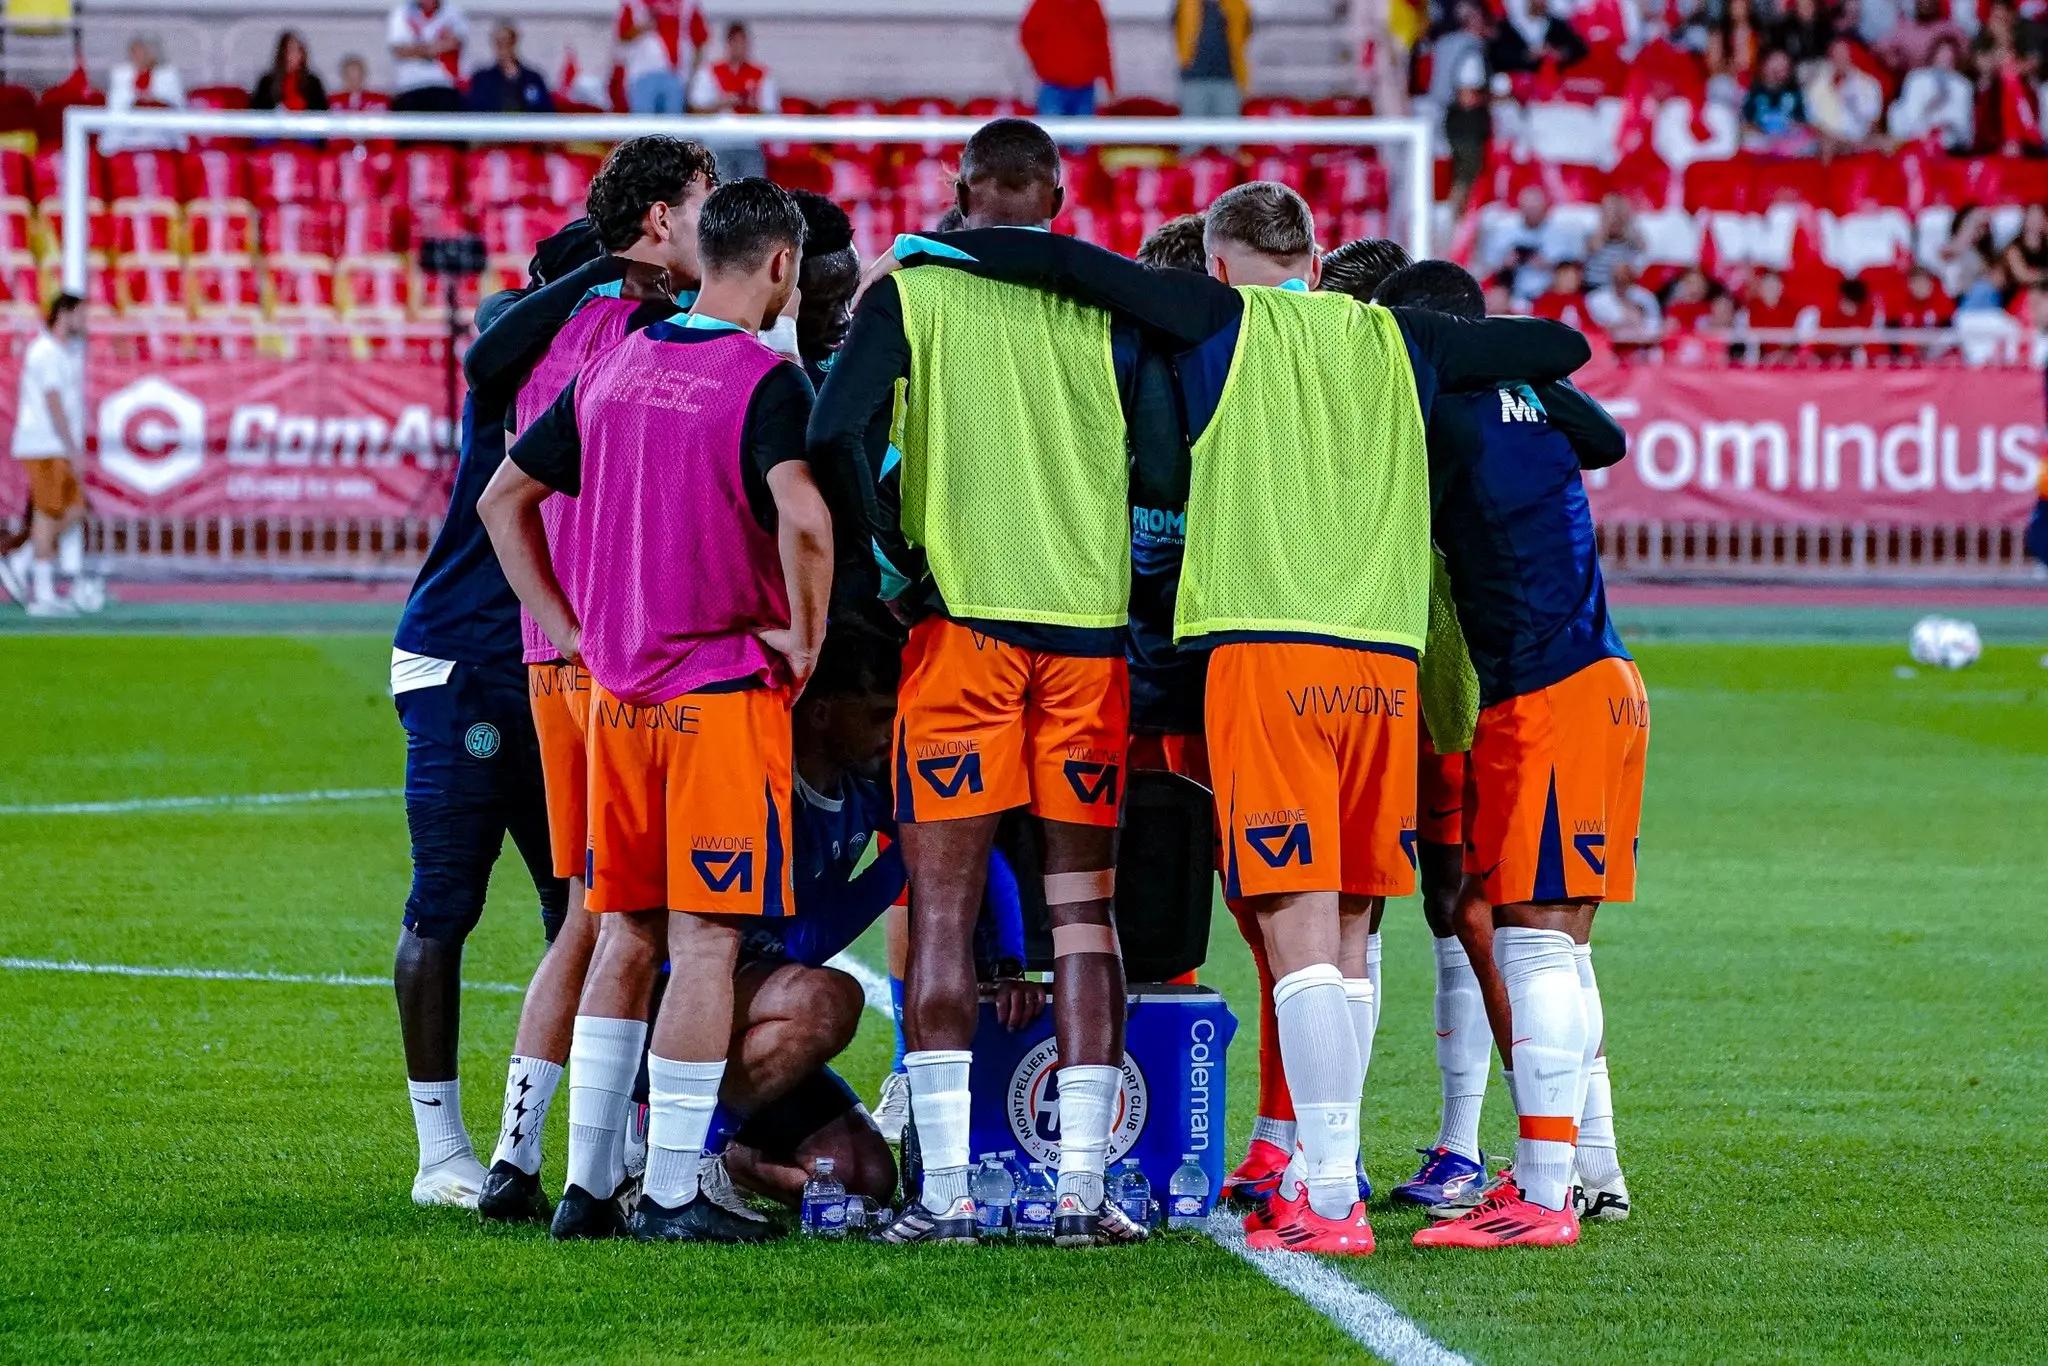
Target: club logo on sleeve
<point>950,767</point>
<point>1094,781</point>
<point>1279,837</point>
<point>481,740</point>
<point>1032,1104</point>
<point>725,862</point>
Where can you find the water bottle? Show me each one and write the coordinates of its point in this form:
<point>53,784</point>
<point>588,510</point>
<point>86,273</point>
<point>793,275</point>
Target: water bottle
<point>1187,1195</point>
<point>1134,1194</point>
<point>1035,1203</point>
<point>1015,1169</point>
<point>824,1206</point>
<point>994,1195</point>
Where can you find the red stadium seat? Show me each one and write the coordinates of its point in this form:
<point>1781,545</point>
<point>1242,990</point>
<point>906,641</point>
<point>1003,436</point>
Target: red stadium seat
<point>224,288</point>
<point>17,173</point>
<point>300,229</point>
<point>429,175</point>
<point>801,169</point>
<point>99,235</point>
<point>1355,182</point>
<point>501,175</point>
<point>1210,173</point>
<point>215,173</point>
<point>373,287</point>
<point>371,229</point>
<point>49,174</point>
<point>516,229</point>
<point>565,178</point>
<point>356,173</point>
<point>1139,107</point>
<point>283,175</point>
<point>102,287</point>
<point>991,108</point>
<point>299,286</point>
<point>17,109</point>
<point>217,97</point>
<point>1341,107</point>
<point>502,273</point>
<point>1166,189</point>
<point>152,286</point>
<point>926,185</point>
<point>17,228</point>
<point>146,175</point>
<point>20,285</point>
<point>1275,107</point>
<point>148,227</point>
<point>220,227</point>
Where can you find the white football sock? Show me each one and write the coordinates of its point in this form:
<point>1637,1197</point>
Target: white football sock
<point>529,1087</point>
<point>42,581</point>
<point>437,1117</point>
<point>1596,1018</point>
<point>1087,1101</point>
<point>1464,1044</point>
<point>1599,1163</point>
<point>1372,975</point>
<point>1363,1002</point>
<point>71,552</point>
<point>680,1099</point>
<point>941,1104</point>
<point>604,1058</point>
<point>1549,1047</point>
<point>1278,1132</point>
<point>1319,1049</point>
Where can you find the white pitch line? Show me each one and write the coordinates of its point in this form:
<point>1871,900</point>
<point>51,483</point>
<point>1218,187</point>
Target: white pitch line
<point>1367,1319</point>
<point>248,799</point>
<point>194,974</point>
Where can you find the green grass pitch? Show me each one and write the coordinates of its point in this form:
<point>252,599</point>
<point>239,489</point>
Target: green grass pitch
<point>1827,1017</point>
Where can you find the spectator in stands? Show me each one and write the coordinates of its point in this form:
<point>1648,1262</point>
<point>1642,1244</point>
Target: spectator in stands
<point>290,82</point>
<point>1922,303</point>
<point>1843,102</point>
<point>1530,245</point>
<point>1804,33</point>
<point>1565,300</point>
<point>2008,58</point>
<point>508,85</point>
<point>1623,308</point>
<point>1725,85</point>
<point>1971,250</point>
<point>426,38</point>
<point>1769,307</point>
<point>1911,43</point>
<point>1209,38</point>
<point>662,44</point>
<point>354,92</point>
<point>2026,256</point>
<point>1538,40</point>
<point>1988,292</point>
<point>1458,55</point>
<point>1500,295</point>
<point>1616,239</point>
<point>1774,113</point>
<point>1853,310</point>
<point>1937,101</point>
<point>1067,42</point>
<point>736,85</point>
<point>1468,128</point>
<point>1688,300</point>
<point>144,81</point>
<point>1741,40</point>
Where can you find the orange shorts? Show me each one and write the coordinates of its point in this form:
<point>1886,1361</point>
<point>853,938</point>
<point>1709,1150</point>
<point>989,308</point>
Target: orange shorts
<point>53,488</point>
<point>690,803</point>
<point>1556,789</point>
<point>1439,796</point>
<point>560,696</point>
<point>982,726</point>
<point>1313,752</point>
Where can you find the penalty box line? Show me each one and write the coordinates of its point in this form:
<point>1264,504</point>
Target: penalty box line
<point>1367,1319</point>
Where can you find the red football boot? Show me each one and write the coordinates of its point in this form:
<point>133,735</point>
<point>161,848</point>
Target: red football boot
<point>1504,1219</point>
<point>1303,1230</point>
<point>1258,1176</point>
<point>1275,1211</point>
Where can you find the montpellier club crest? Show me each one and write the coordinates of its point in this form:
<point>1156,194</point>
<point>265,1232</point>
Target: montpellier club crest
<point>1032,1105</point>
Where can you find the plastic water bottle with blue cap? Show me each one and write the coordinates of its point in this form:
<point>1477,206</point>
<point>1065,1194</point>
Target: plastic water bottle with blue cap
<point>1187,1195</point>
<point>824,1203</point>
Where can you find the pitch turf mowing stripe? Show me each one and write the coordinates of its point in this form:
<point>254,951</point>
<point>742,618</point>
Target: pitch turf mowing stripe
<point>228,801</point>
<point>192,974</point>
<point>1364,1317</point>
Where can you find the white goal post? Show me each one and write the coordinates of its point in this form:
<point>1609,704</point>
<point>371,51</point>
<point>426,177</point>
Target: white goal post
<point>1411,187</point>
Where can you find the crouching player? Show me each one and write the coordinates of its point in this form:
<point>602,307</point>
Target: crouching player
<point>1556,770</point>
<point>687,442</point>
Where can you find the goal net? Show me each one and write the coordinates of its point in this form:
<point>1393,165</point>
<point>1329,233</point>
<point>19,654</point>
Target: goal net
<point>273,380</point>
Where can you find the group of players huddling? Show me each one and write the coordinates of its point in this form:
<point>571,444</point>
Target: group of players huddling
<point>784,602</point>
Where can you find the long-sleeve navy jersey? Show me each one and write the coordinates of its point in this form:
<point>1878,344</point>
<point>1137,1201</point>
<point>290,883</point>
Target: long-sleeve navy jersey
<point>1517,535</point>
<point>841,889</point>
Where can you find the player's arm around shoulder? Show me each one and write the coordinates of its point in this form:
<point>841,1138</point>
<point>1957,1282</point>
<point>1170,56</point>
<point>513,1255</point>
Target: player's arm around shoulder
<point>1482,353</point>
<point>1596,437</point>
<point>542,463</point>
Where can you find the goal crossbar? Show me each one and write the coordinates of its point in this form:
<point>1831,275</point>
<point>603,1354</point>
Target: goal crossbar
<point>83,125</point>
